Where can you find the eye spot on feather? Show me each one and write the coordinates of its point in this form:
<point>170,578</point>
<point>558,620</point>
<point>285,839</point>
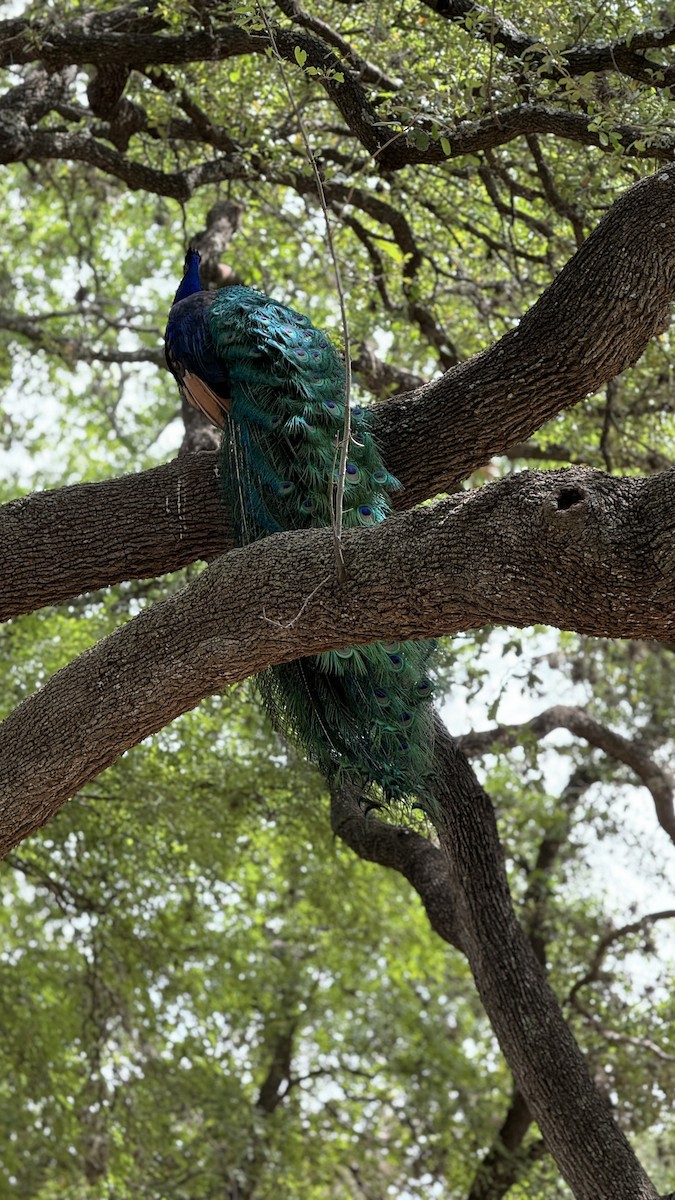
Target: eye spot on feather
<point>396,662</point>
<point>345,652</point>
<point>379,477</point>
<point>382,696</point>
<point>307,505</point>
<point>332,408</point>
<point>365,514</point>
<point>285,488</point>
<point>405,719</point>
<point>352,473</point>
<point>423,687</point>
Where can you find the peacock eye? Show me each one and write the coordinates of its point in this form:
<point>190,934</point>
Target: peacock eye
<point>382,696</point>
<point>366,515</point>
<point>379,477</point>
<point>352,473</point>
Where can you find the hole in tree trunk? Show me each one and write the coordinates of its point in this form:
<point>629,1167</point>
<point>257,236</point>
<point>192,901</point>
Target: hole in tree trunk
<point>568,497</point>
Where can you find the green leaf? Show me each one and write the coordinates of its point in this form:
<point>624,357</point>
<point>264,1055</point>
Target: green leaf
<point>420,138</point>
<point>300,56</point>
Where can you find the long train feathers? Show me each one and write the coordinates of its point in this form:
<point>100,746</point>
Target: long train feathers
<point>276,386</point>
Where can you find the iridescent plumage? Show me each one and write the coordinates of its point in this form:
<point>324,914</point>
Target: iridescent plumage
<point>276,386</point>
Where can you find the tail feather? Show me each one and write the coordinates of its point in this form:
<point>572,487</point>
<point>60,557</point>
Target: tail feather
<point>363,710</point>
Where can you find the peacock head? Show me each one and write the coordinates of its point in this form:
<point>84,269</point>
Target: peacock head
<point>190,281</point>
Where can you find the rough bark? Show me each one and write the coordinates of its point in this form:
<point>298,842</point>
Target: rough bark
<point>593,321</point>
<point>575,1120</point>
<point>402,850</point>
<point>55,545</point>
<point>596,557</point>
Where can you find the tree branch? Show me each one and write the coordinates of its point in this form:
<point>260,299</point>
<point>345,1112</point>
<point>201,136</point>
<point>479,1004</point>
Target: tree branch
<point>624,55</point>
<point>56,545</point>
<point>503,1163</point>
<point>592,323</point>
<point>658,780</point>
<point>574,1118</point>
<point>615,935</point>
<point>402,850</point>
<point>594,320</point>
<point>493,555</point>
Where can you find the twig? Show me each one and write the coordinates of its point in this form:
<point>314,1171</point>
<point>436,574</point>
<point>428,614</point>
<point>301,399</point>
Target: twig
<point>293,621</point>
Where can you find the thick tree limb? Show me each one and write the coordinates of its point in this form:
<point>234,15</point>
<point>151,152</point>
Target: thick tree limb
<point>592,323</point>
<point>423,865</point>
<point>55,545</point>
<point>594,320</point>
<point>19,141</point>
<point>402,850</point>
<point>574,1118</point>
<point>472,908</point>
<point>572,549</point>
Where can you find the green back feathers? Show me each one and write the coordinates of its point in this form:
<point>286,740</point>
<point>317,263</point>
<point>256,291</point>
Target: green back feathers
<point>363,710</point>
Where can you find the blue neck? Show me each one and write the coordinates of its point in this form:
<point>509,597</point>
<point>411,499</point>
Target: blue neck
<point>190,282</point>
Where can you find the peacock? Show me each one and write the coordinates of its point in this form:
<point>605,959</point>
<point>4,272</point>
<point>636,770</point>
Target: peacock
<point>275,386</point>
